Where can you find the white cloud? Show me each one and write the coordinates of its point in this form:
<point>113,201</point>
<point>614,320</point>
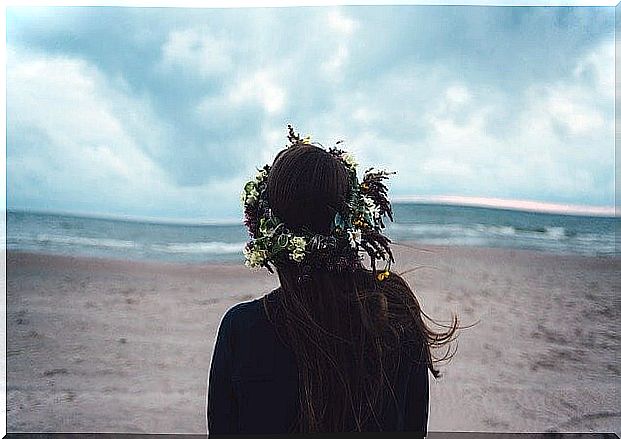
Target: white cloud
<point>333,66</point>
<point>444,135</point>
<point>456,95</point>
<point>260,86</point>
<point>67,101</point>
<point>598,66</point>
<point>365,115</point>
<point>573,108</point>
<point>341,23</point>
<point>197,50</point>
<point>91,143</point>
<point>255,96</point>
<point>340,30</point>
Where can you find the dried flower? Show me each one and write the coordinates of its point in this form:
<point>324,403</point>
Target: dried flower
<point>383,275</point>
<point>349,158</point>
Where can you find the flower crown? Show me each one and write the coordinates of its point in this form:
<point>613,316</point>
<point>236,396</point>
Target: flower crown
<point>355,229</point>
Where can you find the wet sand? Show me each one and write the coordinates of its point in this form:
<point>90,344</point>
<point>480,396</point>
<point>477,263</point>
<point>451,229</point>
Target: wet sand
<point>97,345</point>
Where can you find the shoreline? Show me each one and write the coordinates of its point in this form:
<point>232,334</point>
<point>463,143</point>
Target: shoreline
<point>396,245</point>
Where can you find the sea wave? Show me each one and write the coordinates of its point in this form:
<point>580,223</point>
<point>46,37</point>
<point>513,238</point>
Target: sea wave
<point>553,238</point>
<point>200,247</point>
<point>213,247</point>
<point>479,230</point>
<point>82,240</point>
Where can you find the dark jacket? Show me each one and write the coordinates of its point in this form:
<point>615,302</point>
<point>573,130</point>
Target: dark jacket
<point>253,380</point>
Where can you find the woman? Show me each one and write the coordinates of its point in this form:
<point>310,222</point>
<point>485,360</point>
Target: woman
<point>337,347</point>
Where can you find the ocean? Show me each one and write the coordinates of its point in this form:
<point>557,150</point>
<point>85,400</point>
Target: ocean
<point>422,223</point>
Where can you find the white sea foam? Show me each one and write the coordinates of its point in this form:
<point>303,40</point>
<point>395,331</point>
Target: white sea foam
<point>201,247</point>
<point>496,230</point>
<point>555,232</point>
<point>434,229</point>
<point>81,240</point>
<point>473,230</point>
<point>453,230</point>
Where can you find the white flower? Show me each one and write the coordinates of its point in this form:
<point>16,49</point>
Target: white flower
<point>254,257</point>
<point>349,158</point>
<point>251,195</point>
<point>371,206</point>
<point>297,256</point>
<point>263,228</point>
<point>252,198</point>
<point>261,175</point>
<point>297,244</point>
<point>355,237</point>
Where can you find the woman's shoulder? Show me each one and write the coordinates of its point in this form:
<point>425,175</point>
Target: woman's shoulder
<point>251,334</point>
<point>242,308</point>
<point>245,314</point>
<point>241,311</point>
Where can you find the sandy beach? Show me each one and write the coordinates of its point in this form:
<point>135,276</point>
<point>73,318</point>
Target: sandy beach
<point>97,345</point>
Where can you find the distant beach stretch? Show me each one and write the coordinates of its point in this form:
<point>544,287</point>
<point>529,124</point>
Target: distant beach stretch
<point>111,324</point>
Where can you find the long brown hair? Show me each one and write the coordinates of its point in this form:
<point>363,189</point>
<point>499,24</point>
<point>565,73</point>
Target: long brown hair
<point>346,330</point>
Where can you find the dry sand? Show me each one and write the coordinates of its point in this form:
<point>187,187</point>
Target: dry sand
<point>113,346</point>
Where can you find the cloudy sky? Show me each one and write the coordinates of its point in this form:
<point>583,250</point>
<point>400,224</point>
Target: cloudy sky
<point>162,112</point>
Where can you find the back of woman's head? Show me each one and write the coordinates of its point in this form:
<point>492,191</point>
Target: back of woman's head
<point>306,187</point>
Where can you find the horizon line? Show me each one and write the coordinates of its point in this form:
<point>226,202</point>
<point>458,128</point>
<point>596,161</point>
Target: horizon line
<point>511,204</point>
<point>133,218</point>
